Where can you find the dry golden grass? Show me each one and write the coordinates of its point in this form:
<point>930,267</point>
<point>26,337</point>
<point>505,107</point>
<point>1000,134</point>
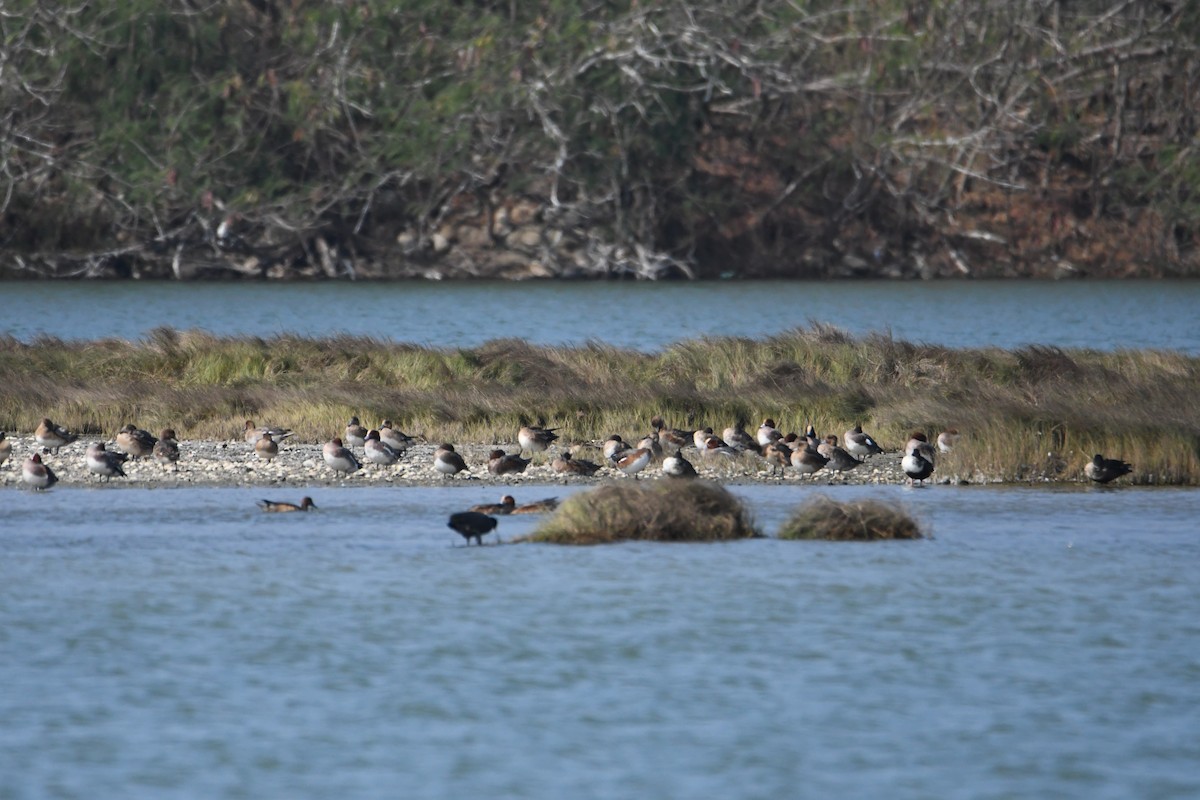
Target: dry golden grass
<point>659,511</point>
<point>857,520</point>
<point>1026,414</point>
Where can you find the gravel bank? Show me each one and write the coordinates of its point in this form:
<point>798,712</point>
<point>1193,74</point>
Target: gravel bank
<point>234,463</point>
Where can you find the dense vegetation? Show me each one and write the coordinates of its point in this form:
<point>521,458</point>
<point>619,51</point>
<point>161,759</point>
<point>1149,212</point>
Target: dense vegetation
<point>1027,414</point>
<point>376,138</point>
<point>866,520</point>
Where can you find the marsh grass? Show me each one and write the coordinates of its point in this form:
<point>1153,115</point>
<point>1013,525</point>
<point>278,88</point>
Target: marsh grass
<point>1026,414</point>
<point>858,520</point>
<point>658,511</point>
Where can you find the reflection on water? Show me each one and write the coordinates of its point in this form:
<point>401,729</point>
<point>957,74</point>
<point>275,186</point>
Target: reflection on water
<point>180,643</point>
<point>643,316</point>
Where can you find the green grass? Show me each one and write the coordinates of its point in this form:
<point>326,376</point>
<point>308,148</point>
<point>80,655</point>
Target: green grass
<point>1025,414</point>
<point>859,520</point>
<point>658,511</point>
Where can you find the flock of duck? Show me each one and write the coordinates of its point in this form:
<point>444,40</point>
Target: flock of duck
<point>664,446</point>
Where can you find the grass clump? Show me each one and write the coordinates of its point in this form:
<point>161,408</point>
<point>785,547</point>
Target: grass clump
<point>662,511</point>
<point>855,521</point>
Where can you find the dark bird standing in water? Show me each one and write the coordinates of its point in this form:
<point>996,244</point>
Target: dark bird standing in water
<point>472,525</point>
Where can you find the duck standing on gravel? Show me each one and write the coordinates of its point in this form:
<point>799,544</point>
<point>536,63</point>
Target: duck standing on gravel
<point>266,448</point>
<point>376,452</point>
<point>677,466</point>
<point>916,466</point>
<point>535,438</point>
<point>860,444</point>
<point>136,442</point>
<point>5,448</point>
<point>166,449</point>
<point>37,475</point>
<point>448,462</point>
<point>356,434</point>
<point>253,433</point>
<point>947,439</point>
<point>1103,470</point>
<point>104,463</point>
<point>501,463</point>
<point>339,458</point>
<point>53,436</point>
<point>564,464</point>
<point>396,439</point>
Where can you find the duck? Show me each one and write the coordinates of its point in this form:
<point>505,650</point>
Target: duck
<point>947,440</point>
<point>166,449</point>
<point>535,438</point>
<point>827,445</point>
<point>104,463</point>
<point>565,464</point>
<point>472,525</point>
<point>253,433</point>
<point>52,436</point>
<point>858,443</point>
<point>701,436</point>
<point>5,447</point>
<point>677,466</point>
<point>613,445</point>
<point>839,459</point>
<point>447,461</point>
<point>631,462</point>
<point>356,433</point>
<point>916,466</point>
<point>1103,470</point>
<point>672,437</point>
<point>920,441</point>
<point>136,442</point>
<point>736,437</point>
<point>651,443</point>
<point>777,454</point>
<point>806,460</point>
<point>393,438</point>
<point>339,458</point>
<point>266,448</point>
<point>537,507</point>
<point>767,432</point>
<point>501,463</point>
<point>37,475</point>
<point>306,504</point>
<point>715,446</point>
<point>506,505</point>
<point>376,452</point>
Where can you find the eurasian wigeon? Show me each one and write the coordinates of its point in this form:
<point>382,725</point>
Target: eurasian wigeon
<point>276,505</point>
<point>53,436</point>
<point>396,439</point>
<point>37,475</point>
<point>266,447</point>
<point>137,443</point>
<point>916,466</point>
<point>631,462</point>
<point>947,440</point>
<point>448,462</point>
<point>505,506</point>
<point>839,459</point>
<point>777,454</point>
<point>376,451</point>
<point>677,466</point>
<point>714,446</point>
<point>919,441</point>
<point>356,434</point>
<point>472,525</point>
<point>104,463</point>
<point>501,463</point>
<point>565,464</point>
<point>861,444</point>
<point>736,437</point>
<point>252,433</point>
<point>535,438</point>
<point>537,506</point>
<point>339,458</point>
<point>806,460</point>
<point>166,449</point>
<point>671,437</point>
<point>651,443</point>
<point>1103,470</point>
<point>613,445</point>
<point>767,432</point>
<point>5,448</point>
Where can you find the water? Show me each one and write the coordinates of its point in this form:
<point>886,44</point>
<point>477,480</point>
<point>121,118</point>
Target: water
<point>180,644</point>
<point>644,316</point>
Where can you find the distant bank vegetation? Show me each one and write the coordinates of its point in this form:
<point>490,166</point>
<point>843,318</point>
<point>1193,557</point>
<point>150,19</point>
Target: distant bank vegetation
<point>384,139</point>
<point>1025,414</point>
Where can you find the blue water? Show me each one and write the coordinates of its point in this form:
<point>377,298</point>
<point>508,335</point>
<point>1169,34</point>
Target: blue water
<point>179,644</point>
<point>645,316</point>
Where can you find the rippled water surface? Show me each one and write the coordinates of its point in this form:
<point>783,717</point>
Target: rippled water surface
<point>179,643</point>
<point>646,316</point>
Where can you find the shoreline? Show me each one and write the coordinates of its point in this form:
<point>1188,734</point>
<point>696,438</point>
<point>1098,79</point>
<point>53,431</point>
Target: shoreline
<point>233,463</point>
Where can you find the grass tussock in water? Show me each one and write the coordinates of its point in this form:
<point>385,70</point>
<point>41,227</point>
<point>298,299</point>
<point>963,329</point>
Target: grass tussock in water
<point>1028,414</point>
<point>857,520</point>
<point>662,511</point>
